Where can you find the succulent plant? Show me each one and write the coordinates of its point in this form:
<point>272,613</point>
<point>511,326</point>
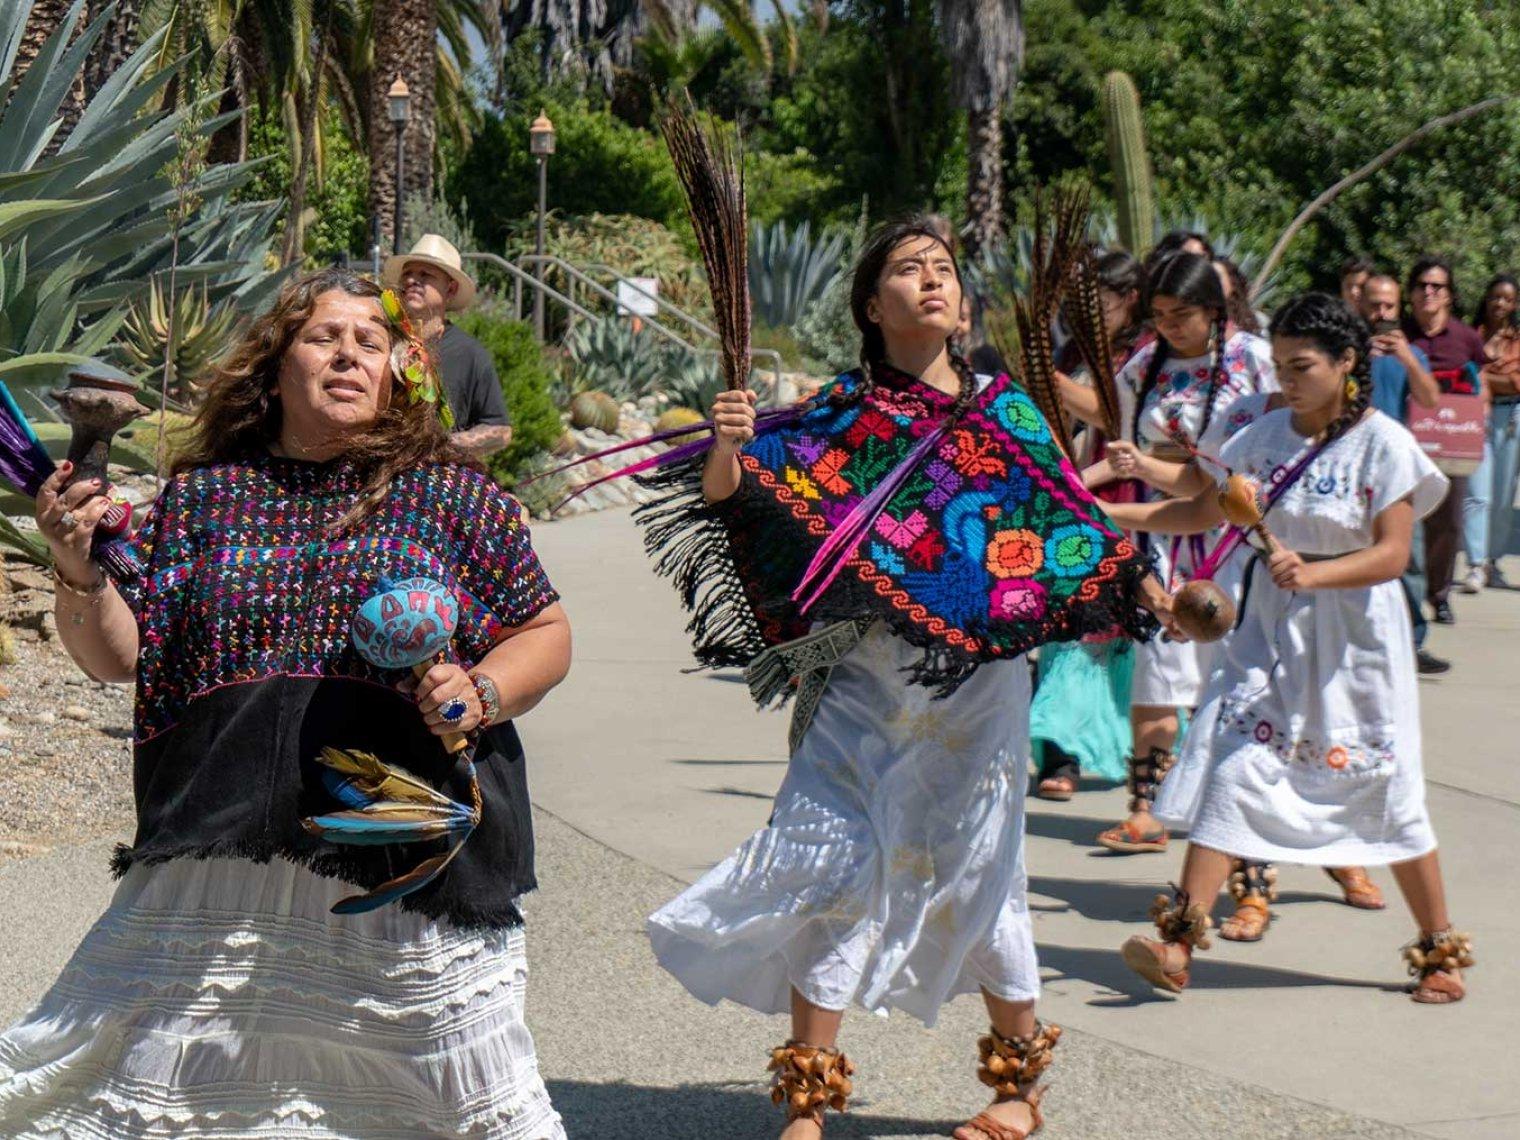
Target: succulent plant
<point>615,357</point>
<point>789,270</point>
<point>595,410</point>
<point>202,333</point>
<point>673,418</point>
<point>1134,190</point>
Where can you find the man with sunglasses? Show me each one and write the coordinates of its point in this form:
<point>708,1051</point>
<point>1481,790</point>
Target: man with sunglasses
<point>1456,354</point>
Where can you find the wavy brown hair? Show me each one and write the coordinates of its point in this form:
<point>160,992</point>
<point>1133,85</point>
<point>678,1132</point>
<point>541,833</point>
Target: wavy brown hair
<point>240,418</point>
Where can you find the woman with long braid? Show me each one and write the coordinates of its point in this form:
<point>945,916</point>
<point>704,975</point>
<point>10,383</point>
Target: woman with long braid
<point>1174,387</point>
<point>890,874</point>
<point>1306,747</point>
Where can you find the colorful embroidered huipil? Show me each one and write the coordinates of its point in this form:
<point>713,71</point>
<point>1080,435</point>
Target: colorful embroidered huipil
<point>990,547</point>
<point>246,669</point>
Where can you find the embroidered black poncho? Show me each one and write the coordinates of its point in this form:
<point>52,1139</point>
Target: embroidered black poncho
<point>246,669</point>
<point>986,544</point>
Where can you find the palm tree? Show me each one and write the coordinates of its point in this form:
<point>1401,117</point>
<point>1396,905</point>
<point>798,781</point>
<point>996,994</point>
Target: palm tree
<point>984,40</point>
<point>115,45</point>
<point>405,35</point>
<point>44,18</point>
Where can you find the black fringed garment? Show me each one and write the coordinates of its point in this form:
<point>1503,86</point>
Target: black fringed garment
<point>246,669</point>
<point>989,547</point>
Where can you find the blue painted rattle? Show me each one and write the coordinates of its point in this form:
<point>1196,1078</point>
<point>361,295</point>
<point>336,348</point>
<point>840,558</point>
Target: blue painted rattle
<point>406,625</point>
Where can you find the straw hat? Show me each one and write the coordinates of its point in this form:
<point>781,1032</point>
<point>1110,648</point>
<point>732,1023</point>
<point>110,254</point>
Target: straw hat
<point>435,251</point>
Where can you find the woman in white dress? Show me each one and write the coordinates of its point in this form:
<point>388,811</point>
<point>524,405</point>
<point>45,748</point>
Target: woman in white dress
<point>1176,386</point>
<point>891,873</point>
<point>1307,745</point>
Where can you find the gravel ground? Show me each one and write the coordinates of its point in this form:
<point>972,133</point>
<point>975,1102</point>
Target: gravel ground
<point>65,745</point>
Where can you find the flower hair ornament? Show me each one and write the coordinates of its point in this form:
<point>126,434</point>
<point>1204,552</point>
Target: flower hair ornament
<point>412,362</point>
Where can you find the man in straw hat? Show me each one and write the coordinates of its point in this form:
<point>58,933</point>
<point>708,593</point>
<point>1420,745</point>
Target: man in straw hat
<point>431,282</point>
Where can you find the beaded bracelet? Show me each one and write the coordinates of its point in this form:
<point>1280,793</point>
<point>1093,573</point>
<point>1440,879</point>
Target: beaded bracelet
<point>91,594</point>
<point>490,699</point>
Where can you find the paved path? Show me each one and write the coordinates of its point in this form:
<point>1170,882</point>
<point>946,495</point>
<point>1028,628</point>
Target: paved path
<point>643,776</point>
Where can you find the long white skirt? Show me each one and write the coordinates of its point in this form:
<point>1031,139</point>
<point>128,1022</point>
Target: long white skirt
<point>1306,748</point>
<point>219,998</point>
<point>892,872</point>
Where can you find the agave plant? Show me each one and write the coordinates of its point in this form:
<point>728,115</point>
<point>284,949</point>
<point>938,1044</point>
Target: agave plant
<point>789,270</point>
<point>202,333</point>
<point>615,357</point>
<point>691,380</point>
<point>86,223</point>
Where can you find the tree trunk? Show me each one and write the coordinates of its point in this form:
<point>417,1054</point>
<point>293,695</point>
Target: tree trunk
<point>406,34</point>
<point>115,45</point>
<point>309,103</point>
<point>984,180</point>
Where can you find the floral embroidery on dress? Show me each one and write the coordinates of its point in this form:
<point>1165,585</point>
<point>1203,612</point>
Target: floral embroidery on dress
<point>1355,758</point>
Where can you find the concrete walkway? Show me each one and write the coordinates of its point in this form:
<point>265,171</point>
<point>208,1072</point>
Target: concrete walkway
<point>644,776</point>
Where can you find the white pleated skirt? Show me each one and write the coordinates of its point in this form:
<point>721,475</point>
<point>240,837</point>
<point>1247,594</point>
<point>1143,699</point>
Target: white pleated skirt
<point>891,874</point>
<point>220,998</point>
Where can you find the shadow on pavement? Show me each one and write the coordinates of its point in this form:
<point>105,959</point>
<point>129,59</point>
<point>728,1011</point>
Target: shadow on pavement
<point>1079,829</point>
<point>1104,967</point>
<point>706,1111</point>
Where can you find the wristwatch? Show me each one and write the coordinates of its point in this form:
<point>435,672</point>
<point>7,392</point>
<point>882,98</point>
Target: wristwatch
<point>490,699</point>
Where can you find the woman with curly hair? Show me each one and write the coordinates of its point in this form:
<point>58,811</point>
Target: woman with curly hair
<point>1306,747</point>
<point>236,985</point>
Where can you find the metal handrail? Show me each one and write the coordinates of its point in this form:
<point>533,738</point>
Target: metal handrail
<point>578,274</point>
<point>519,276</point>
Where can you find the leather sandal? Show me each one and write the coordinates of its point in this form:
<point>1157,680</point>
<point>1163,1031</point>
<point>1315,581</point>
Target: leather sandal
<point>1058,788</point>
<point>1253,886</point>
<point>1181,923</point>
<point>1435,962</point>
<point>1357,889</point>
<point>1145,776</point>
<point>1011,1067</point>
<point>1127,839</point>
<point>810,1079</point>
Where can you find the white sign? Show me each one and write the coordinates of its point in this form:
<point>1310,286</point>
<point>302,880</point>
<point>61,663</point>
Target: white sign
<point>632,301</point>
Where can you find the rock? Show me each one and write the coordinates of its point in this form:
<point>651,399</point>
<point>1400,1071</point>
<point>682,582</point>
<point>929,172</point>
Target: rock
<point>46,717</point>
<point>30,578</point>
<point>77,712</point>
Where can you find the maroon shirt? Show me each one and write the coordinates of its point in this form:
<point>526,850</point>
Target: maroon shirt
<point>1450,351</point>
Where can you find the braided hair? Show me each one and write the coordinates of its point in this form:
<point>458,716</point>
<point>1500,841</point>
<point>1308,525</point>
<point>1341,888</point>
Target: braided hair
<point>873,345</point>
<point>1188,277</point>
<point>1333,328</point>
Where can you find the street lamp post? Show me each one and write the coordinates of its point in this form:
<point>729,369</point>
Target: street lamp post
<point>541,143</point>
<point>399,110</point>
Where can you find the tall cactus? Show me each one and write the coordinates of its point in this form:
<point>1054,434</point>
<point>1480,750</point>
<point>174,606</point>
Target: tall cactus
<point>1134,189</point>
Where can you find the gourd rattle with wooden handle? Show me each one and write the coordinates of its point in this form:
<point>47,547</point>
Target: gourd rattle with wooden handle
<point>1203,611</point>
<point>1240,500</point>
<point>406,625</point>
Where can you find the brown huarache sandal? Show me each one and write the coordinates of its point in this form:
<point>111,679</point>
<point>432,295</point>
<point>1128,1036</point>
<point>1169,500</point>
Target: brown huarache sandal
<point>1435,961</point>
<point>810,1079</point>
<point>1181,923</point>
<point>1357,888</point>
<point>1058,788</point>
<point>1011,1067</point>
<point>1253,886</point>
<point>1145,776</point>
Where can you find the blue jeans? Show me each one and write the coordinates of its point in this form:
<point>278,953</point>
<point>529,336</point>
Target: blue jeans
<point>1413,582</point>
<point>1488,513</point>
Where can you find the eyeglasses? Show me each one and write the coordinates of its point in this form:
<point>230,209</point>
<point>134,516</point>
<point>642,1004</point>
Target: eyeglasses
<point>1431,286</point>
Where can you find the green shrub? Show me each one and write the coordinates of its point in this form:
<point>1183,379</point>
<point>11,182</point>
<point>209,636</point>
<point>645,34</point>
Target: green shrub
<point>525,379</point>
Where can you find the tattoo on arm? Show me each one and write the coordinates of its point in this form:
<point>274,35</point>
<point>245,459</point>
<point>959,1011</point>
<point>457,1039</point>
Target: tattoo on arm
<point>484,439</point>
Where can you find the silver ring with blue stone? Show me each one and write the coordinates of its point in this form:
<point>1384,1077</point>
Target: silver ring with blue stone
<point>453,710</point>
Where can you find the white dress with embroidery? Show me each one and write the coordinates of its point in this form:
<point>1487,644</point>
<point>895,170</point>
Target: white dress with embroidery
<point>1170,674</point>
<point>1306,748</point>
<point>891,874</point>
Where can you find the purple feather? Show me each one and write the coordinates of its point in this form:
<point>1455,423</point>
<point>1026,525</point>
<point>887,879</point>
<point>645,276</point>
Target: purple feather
<point>24,462</point>
<point>842,543</point>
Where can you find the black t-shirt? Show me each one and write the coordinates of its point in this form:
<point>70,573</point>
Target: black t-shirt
<point>985,360</point>
<point>469,379</point>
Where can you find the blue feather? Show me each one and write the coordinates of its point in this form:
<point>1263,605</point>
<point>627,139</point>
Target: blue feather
<point>399,887</point>
<point>346,790</point>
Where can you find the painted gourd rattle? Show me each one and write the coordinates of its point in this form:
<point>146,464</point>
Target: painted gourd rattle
<point>406,625</point>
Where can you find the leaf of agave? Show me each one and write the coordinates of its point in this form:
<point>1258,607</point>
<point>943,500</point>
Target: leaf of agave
<point>122,95</point>
<point>29,546</point>
<point>96,336</point>
<point>12,28</point>
<point>29,211</point>
<point>27,369</point>
<point>34,102</point>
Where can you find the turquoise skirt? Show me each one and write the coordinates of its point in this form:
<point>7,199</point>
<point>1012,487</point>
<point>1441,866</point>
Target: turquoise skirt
<point>1082,704</point>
